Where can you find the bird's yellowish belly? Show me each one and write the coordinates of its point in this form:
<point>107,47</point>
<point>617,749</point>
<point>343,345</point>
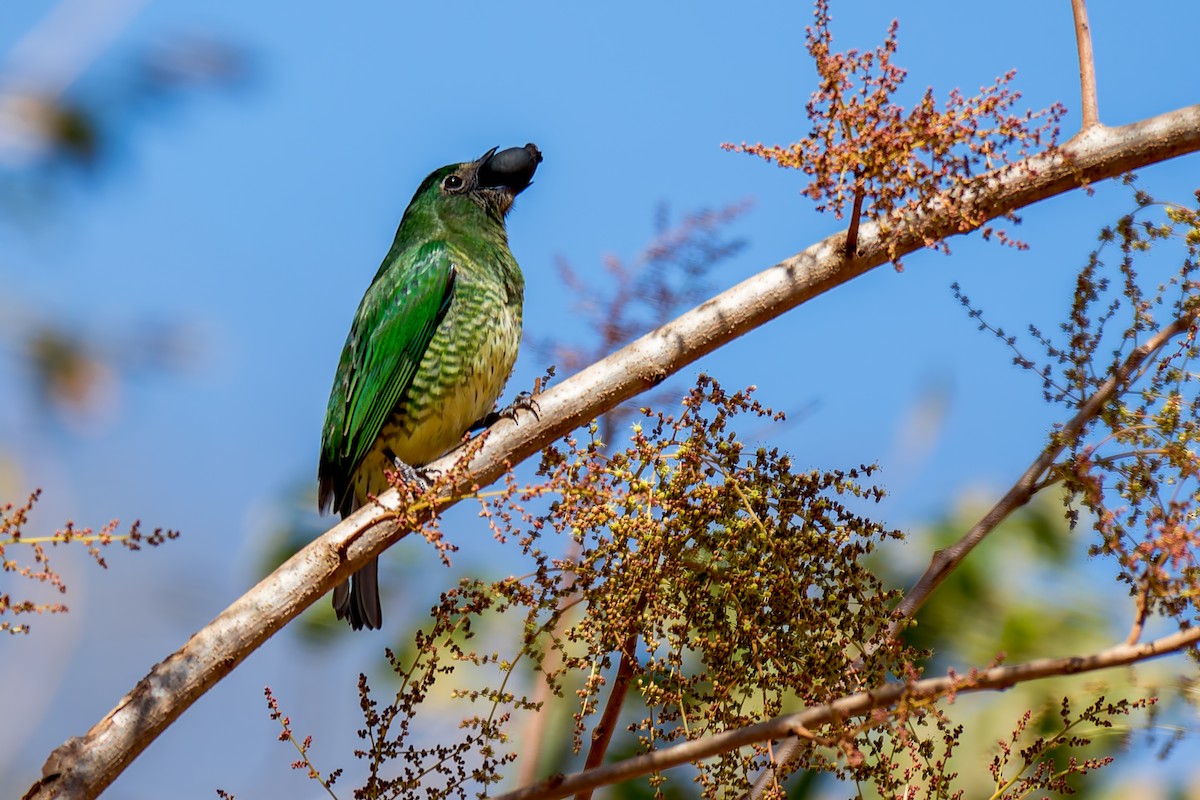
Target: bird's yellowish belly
<point>458,383</point>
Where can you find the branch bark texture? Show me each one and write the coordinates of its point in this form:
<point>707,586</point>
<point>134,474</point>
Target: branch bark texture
<point>84,766</point>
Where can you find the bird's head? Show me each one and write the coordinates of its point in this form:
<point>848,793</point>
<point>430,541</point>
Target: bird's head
<point>492,181</point>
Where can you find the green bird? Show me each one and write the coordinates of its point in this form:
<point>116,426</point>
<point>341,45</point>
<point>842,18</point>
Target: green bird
<point>431,347</point>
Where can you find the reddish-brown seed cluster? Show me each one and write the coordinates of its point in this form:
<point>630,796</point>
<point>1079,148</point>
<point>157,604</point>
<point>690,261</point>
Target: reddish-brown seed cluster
<point>1123,367</point>
<point>1135,467</point>
<point>868,156</point>
<point>12,539</point>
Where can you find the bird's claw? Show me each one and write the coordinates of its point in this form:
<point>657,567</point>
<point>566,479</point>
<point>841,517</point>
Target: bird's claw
<point>522,402</point>
<point>421,478</point>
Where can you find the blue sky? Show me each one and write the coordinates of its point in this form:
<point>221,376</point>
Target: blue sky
<point>256,219</point>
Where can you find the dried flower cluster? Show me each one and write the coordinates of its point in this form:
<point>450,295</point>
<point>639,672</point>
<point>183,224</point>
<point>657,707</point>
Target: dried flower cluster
<point>1132,463</point>
<point>14,518</point>
<point>1135,467</point>
<point>1047,763</point>
<point>877,159</point>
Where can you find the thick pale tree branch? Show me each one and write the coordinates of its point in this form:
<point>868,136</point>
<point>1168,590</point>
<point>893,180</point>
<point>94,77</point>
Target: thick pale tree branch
<point>84,766</point>
<point>801,723</point>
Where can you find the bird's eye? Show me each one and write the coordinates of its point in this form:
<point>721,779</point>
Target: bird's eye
<point>452,183</point>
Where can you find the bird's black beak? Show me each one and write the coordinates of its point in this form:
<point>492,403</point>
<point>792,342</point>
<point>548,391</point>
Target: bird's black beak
<point>510,169</point>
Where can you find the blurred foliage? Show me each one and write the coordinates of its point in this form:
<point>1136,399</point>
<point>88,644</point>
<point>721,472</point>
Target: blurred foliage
<point>58,130</point>
<point>1027,591</point>
<point>49,133</point>
<point>74,370</point>
<point>1043,607</point>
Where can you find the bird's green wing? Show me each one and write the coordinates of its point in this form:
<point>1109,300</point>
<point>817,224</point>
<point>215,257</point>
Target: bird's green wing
<point>392,329</point>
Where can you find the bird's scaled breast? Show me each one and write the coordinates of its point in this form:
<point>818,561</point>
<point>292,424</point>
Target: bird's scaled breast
<point>460,377</point>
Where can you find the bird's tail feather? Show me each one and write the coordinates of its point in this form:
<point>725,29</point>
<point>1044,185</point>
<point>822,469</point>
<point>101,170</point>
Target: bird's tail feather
<point>357,599</point>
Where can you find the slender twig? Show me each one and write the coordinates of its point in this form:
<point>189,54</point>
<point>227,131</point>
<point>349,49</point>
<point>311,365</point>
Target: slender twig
<point>860,191</point>
<point>603,733</point>
<point>85,765</point>
<point>1087,65</point>
<point>534,731</point>
<point>855,220</point>
<point>1143,610</point>
<point>946,561</point>
<point>313,772</point>
<point>855,705</point>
